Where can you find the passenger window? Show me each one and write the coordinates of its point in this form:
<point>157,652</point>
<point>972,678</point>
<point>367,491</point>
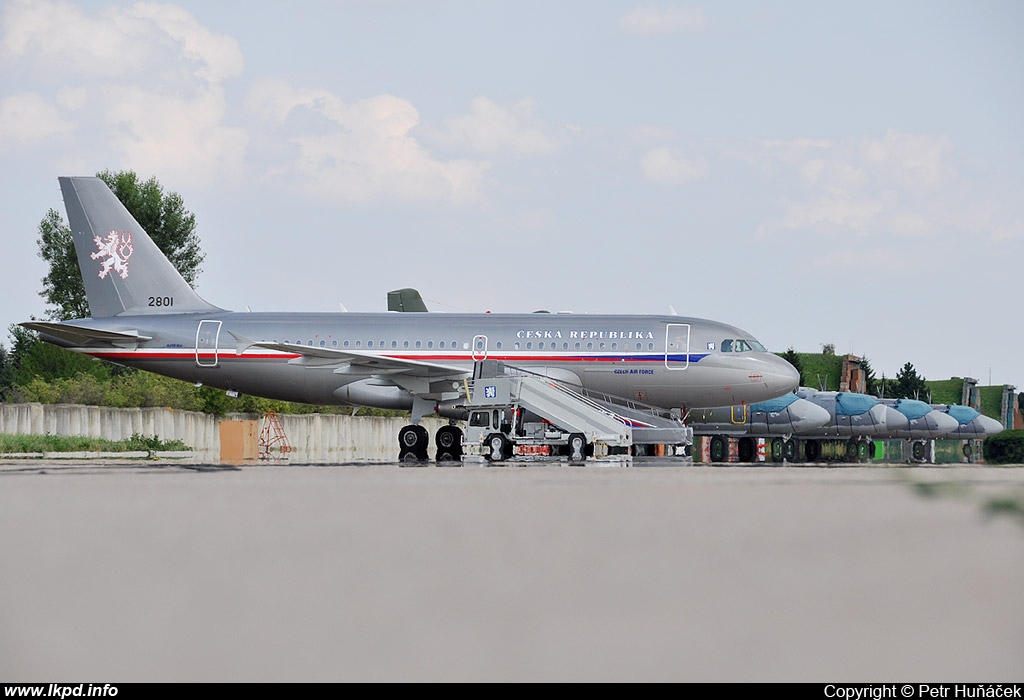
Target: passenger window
<point>441,345</point>
<point>334,343</point>
<point>323,343</point>
<point>540,345</point>
<point>345,343</point>
<point>529,345</point>
<point>517,345</point>
<point>418,343</point>
<point>577,345</point>
<point>405,344</point>
<point>309,343</point>
<point>499,345</point>
<point>394,343</point>
<point>359,343</point>
<point>369,343</point>
<point>430,344</point>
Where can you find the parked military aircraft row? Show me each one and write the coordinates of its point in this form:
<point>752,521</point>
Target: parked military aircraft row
<point>800,424</point>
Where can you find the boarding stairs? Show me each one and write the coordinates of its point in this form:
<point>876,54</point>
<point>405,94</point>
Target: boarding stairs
<point>600,418</point>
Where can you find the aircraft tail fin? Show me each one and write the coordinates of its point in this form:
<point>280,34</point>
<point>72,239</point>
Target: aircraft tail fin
<point>124,271</point>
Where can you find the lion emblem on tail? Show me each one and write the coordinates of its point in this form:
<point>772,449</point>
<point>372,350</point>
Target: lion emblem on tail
<point>116,248</point>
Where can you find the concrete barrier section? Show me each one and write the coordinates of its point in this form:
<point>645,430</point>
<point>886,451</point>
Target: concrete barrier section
<point>310,438</point>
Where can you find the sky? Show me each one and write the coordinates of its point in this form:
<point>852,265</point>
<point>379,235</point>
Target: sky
<point>840,173</point>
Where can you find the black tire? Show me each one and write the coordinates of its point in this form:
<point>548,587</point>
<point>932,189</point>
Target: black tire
<point>851,451</point>
<point>746,451</point>
<point>813,450</point>
<point>497,447</point>
<point>777,449</point>
<point>717,451</point>
<point>967,450</point>
<point>789,450</point>
<point>862,450</point>
<point>917,451</point>
<point>577,447</point>
<point>448,439</point>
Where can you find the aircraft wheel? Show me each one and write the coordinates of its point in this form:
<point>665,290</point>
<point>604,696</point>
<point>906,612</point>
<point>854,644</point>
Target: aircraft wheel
<point>746,451</point>
<point>851,451</point>
<point>812,450</point>
<point>777,449</point>
<point>577,447</point>
<point>917,451</point>
<point>412,443</point>
<point>449,443</point>
<point>498,447</point>
<point>862,450</point>
<point>789,450</point>
<point>717,449</point>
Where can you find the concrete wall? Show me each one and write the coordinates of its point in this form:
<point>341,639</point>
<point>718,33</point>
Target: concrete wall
<point>326,438</point>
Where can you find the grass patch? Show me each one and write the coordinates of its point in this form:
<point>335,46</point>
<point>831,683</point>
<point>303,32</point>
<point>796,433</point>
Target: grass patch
<point>10,444</point>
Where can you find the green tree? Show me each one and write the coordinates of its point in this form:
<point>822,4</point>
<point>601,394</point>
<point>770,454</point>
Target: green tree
<point>792,357</point>
<point>164,218</point>
<point>908,385</point>
<point>870,382</point>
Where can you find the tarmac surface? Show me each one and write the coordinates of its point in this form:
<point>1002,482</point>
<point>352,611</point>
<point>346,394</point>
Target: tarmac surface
<point>162,571</point>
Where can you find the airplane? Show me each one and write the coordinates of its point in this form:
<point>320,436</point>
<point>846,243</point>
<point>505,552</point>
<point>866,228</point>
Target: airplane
<point>143,314</point>
<point>971,424</point>
<point>778,419</point>
<point>861,418</point>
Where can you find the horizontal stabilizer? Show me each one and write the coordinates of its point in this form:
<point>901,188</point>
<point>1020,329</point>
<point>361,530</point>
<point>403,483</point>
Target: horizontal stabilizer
<point>80,335</point>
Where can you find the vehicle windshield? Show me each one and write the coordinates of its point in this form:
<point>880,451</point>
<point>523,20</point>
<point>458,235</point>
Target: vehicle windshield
<point>741,345</point>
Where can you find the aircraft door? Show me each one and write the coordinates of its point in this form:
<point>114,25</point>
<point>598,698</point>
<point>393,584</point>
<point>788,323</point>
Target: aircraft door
<point>677,345</point>
<point>207,336</point>
<point>479,347</point>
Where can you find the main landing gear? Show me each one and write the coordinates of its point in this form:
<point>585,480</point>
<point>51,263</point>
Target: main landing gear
<point>413,444</point>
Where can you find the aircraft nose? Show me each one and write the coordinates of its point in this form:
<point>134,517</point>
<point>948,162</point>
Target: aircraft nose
<point>780,375</point>
<point>942,423</point>
<point>990,426</point>
<point>808,416</point>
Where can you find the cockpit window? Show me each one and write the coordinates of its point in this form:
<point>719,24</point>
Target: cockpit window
<point>740,345</point>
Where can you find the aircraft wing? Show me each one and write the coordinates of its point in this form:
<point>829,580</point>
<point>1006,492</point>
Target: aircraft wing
<point>81,335</point>
<point>356,361</point>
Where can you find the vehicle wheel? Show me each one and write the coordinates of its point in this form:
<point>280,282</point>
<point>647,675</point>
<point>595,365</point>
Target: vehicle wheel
<point>498,447</point>
<point>449,443</point>
<point>789,450</point>
<point>917,451</point>
<point>813,450</point>
<point>777,449</point>
<point>872,450</point>
<point>851,451</point>
<point>746,451</point>
<point>577,447</point>
<point>967,450</point>
<point>717,449</point>
<point>862,451</point>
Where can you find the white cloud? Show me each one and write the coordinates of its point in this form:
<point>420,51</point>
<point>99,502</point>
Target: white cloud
<point>491,129</point>
<point>149,84</point>
<point>663,167</point>
<point>897,185</point>
<point>662,19</point>
<point>174,136</point>
<point>915,161</point>
<point>27,119</point>
<point>364,150</point>
<point>217,57</point>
